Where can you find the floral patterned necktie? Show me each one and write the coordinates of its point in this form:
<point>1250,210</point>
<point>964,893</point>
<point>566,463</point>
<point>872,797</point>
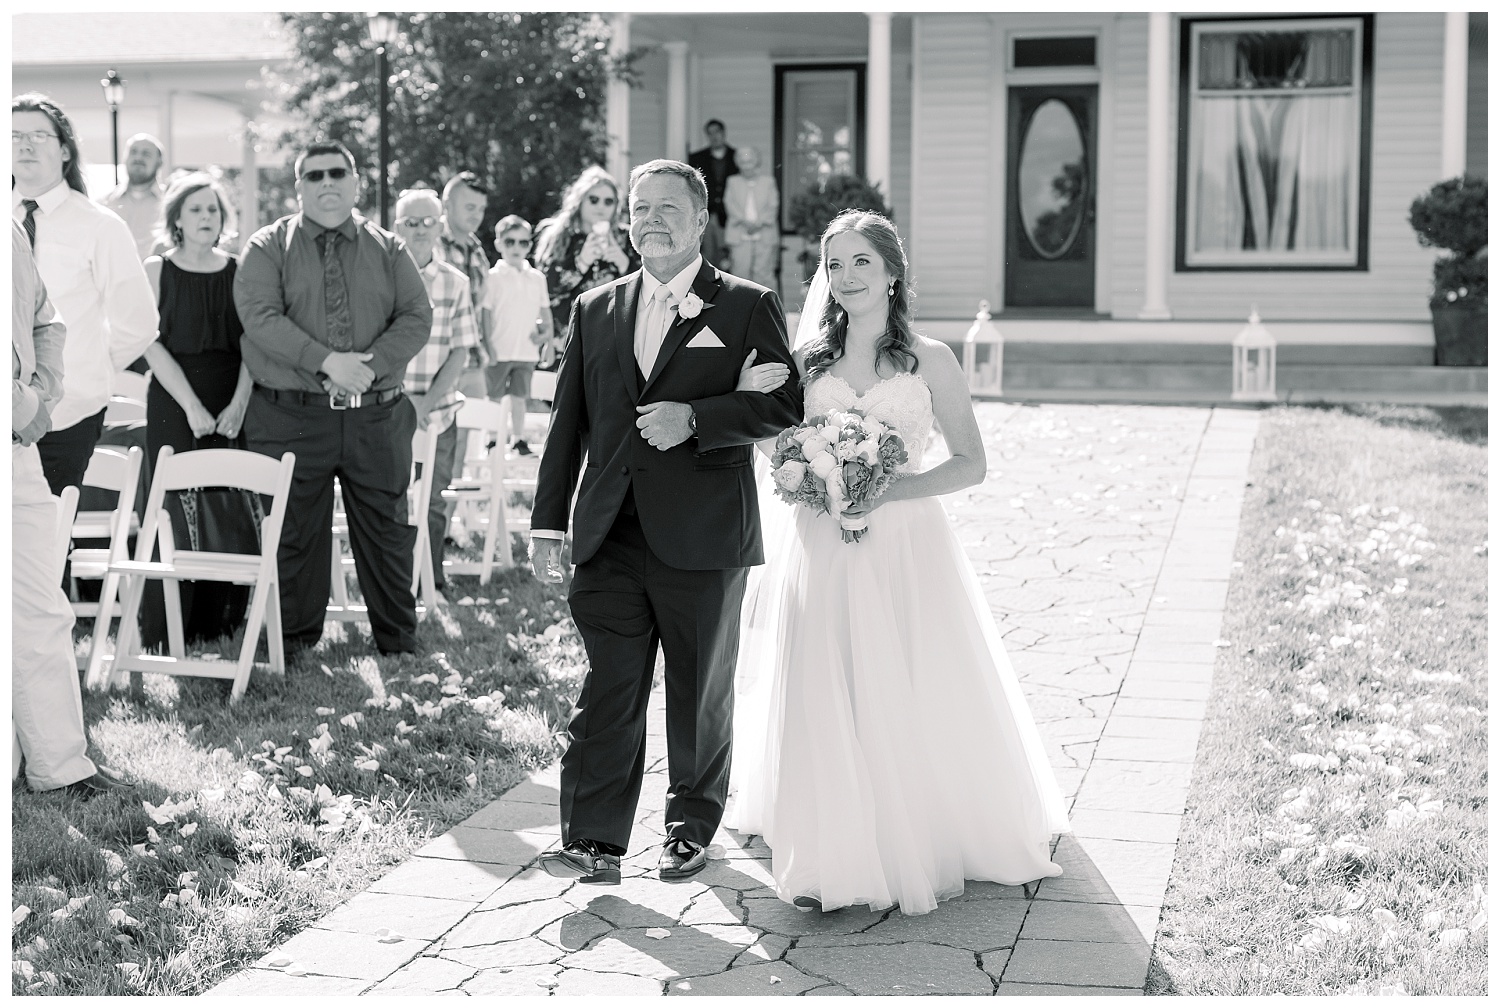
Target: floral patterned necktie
<point>339,323</point>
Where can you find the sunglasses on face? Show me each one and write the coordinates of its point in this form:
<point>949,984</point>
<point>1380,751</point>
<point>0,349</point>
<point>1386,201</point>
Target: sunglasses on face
<point>316,174</point>
<point>417,221</point>
<point>606,200</point>
<point>516,242</point>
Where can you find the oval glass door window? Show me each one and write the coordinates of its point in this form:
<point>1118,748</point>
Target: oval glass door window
<point>1052,179</point>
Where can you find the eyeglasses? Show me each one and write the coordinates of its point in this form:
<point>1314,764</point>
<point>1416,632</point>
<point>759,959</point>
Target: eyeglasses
<point>516,242</point>
<point>316,174</point>
<point>417,221</point>
<point>606,200</point>
<point>34,137</point>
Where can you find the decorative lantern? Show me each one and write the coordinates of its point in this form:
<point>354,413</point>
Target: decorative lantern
<point>1254,362</point>
<point>984,354</point>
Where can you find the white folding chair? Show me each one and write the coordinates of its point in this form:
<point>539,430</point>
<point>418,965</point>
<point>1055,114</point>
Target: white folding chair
<point>119,471</point>
<point>130,385</point>
<point>212,467</point>
<point>67,507</point>
<point>423,580</point>
<point>489,478</point>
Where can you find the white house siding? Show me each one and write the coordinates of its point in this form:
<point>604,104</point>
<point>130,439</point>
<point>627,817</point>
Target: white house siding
<point>740,90</point>
<point>1404,160</point>
<point>648,110</point>
<point>1126,173</point>
<point>900,191</point>
<point>953,213</point>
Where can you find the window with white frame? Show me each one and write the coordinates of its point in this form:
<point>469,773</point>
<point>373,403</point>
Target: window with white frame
<point>1272,165</point>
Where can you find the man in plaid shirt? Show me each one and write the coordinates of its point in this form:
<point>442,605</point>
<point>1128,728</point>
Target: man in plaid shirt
<point>432,376</point>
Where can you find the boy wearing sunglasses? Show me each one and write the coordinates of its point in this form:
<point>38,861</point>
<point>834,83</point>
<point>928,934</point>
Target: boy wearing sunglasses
<point>515,295</point>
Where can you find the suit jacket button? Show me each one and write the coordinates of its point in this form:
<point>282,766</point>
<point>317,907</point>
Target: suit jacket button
<point>625,470</point>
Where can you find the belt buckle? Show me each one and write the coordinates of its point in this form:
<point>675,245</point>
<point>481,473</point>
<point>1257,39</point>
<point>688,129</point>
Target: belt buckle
<point>341,401</point>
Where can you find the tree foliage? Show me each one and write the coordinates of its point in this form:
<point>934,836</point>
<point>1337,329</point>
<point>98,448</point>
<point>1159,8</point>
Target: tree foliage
<point>518,98</point>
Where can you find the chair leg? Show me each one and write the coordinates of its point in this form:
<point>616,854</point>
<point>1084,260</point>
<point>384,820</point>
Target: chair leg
<point>253,624</point>
<point>96,677</point>
<point>172,597</point>
<point>127,644</point>
<point>275,646</point>
<point>498,533</point>
<point>339,581</point>
<point>423,587</point>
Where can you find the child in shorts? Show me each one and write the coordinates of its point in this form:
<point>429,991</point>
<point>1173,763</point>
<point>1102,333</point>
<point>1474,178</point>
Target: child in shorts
<point>520,321</point>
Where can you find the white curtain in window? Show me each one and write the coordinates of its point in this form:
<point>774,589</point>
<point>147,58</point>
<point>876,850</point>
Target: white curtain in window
<point>1273,173</point>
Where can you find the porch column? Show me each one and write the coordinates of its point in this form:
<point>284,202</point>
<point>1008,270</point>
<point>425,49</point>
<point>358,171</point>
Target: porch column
<point>617,104</point>
<point>878,103</point>
<point>677,57</point>
<point>1158,166</point>
<point>249,186</point>
<point>1455,94</point>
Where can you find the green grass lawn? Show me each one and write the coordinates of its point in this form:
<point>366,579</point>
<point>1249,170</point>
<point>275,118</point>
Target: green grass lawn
<point>269,813</point>
<point>1335,838</point>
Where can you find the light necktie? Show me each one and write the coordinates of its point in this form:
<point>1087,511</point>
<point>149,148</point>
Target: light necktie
<point>750,202</point>
<point>339,323</point>
<point>29,223</point>
<point>654,331</point>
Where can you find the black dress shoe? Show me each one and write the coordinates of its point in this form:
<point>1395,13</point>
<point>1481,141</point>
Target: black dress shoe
<point>584,860</point>
<point>103,781</point>
<point>681,859</point>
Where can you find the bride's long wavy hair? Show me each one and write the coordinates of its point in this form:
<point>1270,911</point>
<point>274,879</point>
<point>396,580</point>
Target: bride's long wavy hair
<point>896,345</point>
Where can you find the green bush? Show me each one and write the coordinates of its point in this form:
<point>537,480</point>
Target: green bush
<point>815,206</point>
<point>1454,215</point>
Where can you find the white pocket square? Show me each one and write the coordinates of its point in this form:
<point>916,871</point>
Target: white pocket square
<point>706,338</point>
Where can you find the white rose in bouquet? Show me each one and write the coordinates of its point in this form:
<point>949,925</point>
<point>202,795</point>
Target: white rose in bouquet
<point>815,445</point>
<point>869,450</point>
<point>789,476</point>
<point>822,464</point>
<point>801,434</point>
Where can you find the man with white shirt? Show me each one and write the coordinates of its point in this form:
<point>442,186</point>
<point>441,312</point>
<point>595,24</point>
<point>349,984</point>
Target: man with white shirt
<point>88,260</point>
<point>666,524</point>
<point>138,201</point>
<point>46,707</point>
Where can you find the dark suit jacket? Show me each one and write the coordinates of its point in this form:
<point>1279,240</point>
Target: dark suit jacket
<point>704,161</point>
<point>696,501</point>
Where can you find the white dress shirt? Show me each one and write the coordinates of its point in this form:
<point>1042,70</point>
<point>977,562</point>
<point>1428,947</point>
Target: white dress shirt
<point>88,260</point>
<point>648,337</point>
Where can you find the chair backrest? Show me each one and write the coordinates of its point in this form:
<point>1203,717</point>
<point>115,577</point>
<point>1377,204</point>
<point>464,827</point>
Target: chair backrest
<point>482,415</point>
<point>122,410</point>
<point>219,467</point>
<point>130,385</point>
<point>111,467</point>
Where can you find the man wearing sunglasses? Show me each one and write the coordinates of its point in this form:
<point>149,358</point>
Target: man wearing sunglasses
<point>334,309</point>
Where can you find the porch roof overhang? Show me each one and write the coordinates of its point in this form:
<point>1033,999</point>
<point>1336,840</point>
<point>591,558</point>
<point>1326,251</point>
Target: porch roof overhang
<point>784,35</point>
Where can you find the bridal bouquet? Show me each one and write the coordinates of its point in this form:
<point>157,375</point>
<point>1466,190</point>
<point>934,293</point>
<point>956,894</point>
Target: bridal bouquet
<point>831,462</point>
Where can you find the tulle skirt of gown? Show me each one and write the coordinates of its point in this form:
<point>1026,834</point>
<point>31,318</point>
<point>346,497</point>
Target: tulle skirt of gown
<point>883,747</point>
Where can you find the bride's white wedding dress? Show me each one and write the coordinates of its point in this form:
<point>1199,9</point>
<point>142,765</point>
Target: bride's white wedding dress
<point>882,745</point>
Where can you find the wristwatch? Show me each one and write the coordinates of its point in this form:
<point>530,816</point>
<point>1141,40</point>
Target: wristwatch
<point>692,420</point>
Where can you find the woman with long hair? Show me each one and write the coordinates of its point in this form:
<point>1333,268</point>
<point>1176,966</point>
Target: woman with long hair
<point>199,386</point>
<point>585,244</point>
<point>883,747</point>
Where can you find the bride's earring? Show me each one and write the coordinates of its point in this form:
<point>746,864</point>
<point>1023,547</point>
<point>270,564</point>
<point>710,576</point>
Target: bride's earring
<point>891,290</point>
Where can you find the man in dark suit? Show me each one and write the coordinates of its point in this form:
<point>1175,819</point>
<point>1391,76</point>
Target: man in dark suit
<point>715,163</point>
<point>666,524</point>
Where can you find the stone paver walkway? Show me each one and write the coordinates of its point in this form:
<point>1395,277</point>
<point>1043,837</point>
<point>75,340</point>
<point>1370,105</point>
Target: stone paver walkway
<point>1104,538</point>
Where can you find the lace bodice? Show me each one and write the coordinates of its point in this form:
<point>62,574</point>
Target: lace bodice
<point>904,401</point>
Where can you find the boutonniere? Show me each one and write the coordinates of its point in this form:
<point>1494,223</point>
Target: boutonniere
<point>690,306</point>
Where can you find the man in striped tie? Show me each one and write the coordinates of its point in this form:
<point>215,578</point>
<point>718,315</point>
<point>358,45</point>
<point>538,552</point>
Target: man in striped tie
<point>334,309</point>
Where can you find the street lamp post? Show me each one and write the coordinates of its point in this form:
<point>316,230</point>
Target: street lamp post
<point>114,94</point>
<point>383,32</point>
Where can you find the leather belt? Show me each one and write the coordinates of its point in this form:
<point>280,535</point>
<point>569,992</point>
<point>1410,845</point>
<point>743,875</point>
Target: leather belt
<point>332,401</point>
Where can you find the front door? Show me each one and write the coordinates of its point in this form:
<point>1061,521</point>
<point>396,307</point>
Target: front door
<point>1049,248</point>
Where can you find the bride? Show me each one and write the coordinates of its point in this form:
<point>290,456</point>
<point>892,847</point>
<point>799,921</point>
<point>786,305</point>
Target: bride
<point>883,747</point>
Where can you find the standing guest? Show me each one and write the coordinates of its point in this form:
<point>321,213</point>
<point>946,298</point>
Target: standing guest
<point>200,388</point>
<point>334,309</point>
<point>88,259</point>
<point>432,376</point>
<point>465,198</point>
<point>516,298</point>
<point>586,244</point>
<point>46,707</point>
<point>716,163</point>
<point>753,206</point>
<point>139,201</point>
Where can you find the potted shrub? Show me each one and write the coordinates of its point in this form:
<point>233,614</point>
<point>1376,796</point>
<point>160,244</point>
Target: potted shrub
<point>1454,215</point>
<point>821,202</point>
